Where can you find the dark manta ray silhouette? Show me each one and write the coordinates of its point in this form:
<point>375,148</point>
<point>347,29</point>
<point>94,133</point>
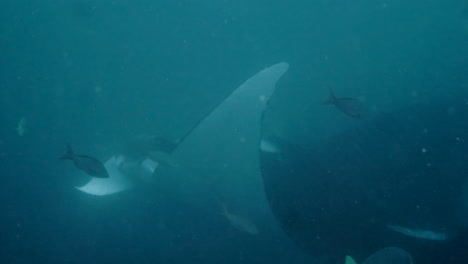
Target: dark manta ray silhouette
<point>398,179</point>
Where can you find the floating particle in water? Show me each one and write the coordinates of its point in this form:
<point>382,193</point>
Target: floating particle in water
<point>20,129</point>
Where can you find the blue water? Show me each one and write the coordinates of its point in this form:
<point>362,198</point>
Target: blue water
<point>94,73</point>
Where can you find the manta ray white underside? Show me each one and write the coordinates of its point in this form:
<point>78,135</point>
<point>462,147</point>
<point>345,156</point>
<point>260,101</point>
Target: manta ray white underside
<point>234,122</point>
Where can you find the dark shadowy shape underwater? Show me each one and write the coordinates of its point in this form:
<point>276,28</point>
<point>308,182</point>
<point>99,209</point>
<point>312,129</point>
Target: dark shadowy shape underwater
<point>90,165</point>
<point>398,179</point>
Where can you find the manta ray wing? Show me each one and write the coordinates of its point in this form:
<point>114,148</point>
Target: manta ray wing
<point>234,123</point>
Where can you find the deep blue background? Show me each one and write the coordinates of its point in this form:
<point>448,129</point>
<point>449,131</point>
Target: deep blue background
<point>96,72</point>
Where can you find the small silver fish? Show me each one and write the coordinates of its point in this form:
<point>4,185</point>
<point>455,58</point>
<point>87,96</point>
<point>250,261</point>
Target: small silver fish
<point>350,106</point>
<point>90,165</point>
<point>420,233</point>
<point>239,222</point>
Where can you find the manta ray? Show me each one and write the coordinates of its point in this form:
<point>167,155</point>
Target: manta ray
<point>398,179</point>
<point>232,124</point>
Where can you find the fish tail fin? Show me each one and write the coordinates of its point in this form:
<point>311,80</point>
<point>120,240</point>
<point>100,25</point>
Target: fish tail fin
<point>331,97</point>
<point>69,154</point>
